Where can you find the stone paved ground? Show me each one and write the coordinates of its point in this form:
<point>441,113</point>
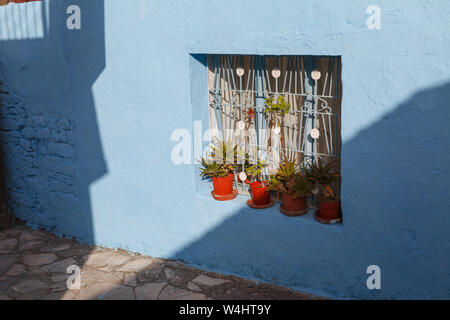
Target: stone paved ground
<point>33,265</point>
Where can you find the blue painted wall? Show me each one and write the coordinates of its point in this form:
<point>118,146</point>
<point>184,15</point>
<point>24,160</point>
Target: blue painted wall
<point>87,128</point>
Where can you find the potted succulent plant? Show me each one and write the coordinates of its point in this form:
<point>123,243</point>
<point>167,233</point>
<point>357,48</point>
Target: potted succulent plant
<point>297,201</point>
<point>325,175</point>
<point>258,187</point>
<point>219,168</point>
<point>294,186</point>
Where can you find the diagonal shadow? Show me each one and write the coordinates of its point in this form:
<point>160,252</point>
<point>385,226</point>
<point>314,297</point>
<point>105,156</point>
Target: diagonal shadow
<point>393,216</point>
<point>48,124</point>
<point>395,201</point>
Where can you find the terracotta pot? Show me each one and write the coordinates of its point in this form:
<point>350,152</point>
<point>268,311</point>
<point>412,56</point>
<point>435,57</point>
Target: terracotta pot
<point>329,209</point>
<point>260,195</point>
<point>223,186</point>
<point>291,204</point>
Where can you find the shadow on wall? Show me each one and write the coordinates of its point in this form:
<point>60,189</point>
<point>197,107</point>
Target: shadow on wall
<point>395,188</point>
<point>49,130</point>
<point>396,195</point>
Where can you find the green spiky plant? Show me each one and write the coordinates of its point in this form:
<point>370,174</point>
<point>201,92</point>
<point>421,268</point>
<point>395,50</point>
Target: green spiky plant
<point>220,161</point>
<point>224,151</point>
<point>284,179</point>
<point>324,175</point>
<point>213,169</point>
<point>291,180</point>
<point>302,187</point>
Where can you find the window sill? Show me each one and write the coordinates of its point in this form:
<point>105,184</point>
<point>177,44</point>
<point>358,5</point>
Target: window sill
<point>271,215</point>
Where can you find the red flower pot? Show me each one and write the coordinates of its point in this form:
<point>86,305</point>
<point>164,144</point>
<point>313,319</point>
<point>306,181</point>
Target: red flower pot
<point>291,204</point>
<point>260,195</point>
<point>223,186</point>
<point>329,209</point>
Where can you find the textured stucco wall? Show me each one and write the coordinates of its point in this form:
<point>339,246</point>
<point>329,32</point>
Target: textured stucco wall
<point>87,126</point>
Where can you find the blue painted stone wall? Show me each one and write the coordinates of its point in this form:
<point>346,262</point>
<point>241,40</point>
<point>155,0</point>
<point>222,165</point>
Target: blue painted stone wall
<point>88,120</point>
